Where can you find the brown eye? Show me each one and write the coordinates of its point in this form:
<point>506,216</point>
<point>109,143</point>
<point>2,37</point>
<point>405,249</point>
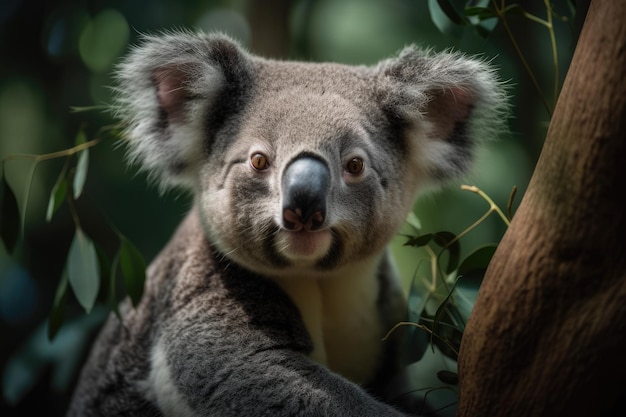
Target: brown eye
<point>354,166</point>
<point>259,162</point>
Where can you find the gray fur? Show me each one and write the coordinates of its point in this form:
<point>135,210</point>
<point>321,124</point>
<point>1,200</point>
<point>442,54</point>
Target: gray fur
<point>241,316</point>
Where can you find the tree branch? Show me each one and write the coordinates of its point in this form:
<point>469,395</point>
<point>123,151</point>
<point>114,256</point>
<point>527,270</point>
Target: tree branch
<point>548,330</point>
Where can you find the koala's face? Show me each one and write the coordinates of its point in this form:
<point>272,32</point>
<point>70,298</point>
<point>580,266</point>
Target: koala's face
<point>307,181</point>
<point>301,167</point>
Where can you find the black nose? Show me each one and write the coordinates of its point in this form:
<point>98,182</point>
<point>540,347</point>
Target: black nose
<point>305,186</point>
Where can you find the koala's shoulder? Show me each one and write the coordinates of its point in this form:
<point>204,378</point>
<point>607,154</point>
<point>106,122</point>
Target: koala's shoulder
<point>189,276</point>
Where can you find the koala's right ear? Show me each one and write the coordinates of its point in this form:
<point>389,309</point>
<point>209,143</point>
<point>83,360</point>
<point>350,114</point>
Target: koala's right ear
<point>446,103</point>
<point>174,92</point>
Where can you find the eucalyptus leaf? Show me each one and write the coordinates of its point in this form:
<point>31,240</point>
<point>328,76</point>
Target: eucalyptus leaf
<point>83,270</point>
<point>465,294</point>
<point>482,18</point>
<point>57,195</point>
<point>442,308</point>
<point>418,295</point>
<point>439,18</point>
<point>414,221</point>
<point>480,12</point>
<point>448,377</point>
<point>9,216</point>
<point>113,299</point>
<point>103,261</point>
<point>471,272</point>
<point>80,175</point>
<point>453,9</point>
<point>80,137</point>
<point>444,240</point>
<point>419,241</point>
<point>414,337</point>
<point>486,26</point>
<point>133,269</point>
<point>477,260</point>
<point>108,271</point>
<point>515,9</point>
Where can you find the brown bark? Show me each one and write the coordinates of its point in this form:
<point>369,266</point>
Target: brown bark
<point>548,332</point>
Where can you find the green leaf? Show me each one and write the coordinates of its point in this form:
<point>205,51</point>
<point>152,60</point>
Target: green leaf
<point>515,9</point>
<point>9,216</point>
<point>81,172</point>
<point>418,294</point>
<point>57,314</point>
<point>480,12</point>
<point>442,307</point>
<point>453,9</point>
<point>443,239</point>
<point>134,270</point>
<point>439,18</point>
<point>482,18</point>
<point>471,273</point>
<point>83,270</point>
<point>57,195</point>
<point>420,241</point>
<point>413,221</point>
<point>103,261</point>
<point>448,377</point>
<point>108,272</point>
<point>485,27</point>
<point>113,299</point>
<point>477,260</point>
<point>80,137</point>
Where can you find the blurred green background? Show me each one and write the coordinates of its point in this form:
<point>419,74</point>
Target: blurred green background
<point>59,54</point>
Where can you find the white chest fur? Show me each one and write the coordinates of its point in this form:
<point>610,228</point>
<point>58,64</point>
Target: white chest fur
<point>340,313</point>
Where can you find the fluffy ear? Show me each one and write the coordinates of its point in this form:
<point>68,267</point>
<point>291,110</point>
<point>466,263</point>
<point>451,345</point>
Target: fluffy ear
<point>445,104</point>
<point>174,91</point>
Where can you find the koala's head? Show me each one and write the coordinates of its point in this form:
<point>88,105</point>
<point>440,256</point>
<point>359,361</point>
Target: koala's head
<point>302,166</point>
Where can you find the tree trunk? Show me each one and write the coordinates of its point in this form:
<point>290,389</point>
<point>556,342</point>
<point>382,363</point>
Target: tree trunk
<point>548,332</point>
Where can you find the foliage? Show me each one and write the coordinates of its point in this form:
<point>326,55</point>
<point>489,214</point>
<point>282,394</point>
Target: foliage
<point>483,15</point>
<point>444,284</point>
<point>87,267</point>
<point>441,295</point>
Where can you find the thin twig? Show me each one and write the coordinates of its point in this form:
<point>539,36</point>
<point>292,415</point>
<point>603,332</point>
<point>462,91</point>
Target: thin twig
<point>492,205</point>
<point>555,55</point>
<point>53,155</point>
<point>421,326</point>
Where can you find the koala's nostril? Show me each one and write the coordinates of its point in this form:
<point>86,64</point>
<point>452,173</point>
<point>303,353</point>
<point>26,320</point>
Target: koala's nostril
<point>293,220</point>
<point>315,222</point>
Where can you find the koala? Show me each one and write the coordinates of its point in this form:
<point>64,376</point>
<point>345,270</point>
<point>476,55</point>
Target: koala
<point>274,294</point>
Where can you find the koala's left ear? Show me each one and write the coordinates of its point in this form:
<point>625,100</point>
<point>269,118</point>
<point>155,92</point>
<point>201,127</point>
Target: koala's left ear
<point>445,104</point>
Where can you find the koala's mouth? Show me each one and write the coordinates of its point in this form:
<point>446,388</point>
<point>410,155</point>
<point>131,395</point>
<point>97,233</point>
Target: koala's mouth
<point>304,245</point>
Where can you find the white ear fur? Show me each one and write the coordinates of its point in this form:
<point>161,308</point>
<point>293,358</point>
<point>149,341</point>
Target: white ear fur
<point>450,104</point>
<point>171,85</point>
<point>165,86</point>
